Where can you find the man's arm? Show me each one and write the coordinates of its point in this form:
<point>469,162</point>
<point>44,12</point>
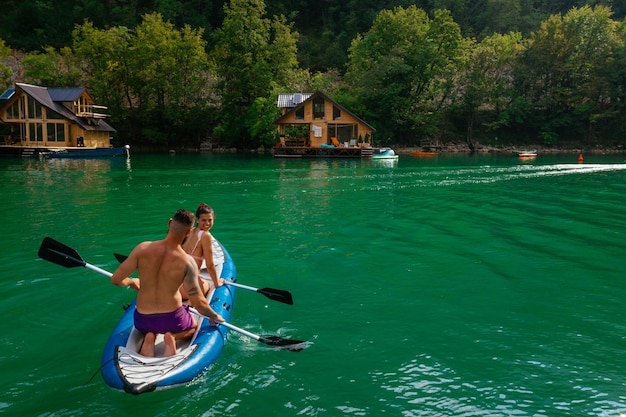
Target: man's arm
<point>129,266</point>
<point>196,297</point>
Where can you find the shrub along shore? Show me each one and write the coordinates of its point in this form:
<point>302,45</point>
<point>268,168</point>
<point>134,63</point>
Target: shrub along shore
<point>463,148</point>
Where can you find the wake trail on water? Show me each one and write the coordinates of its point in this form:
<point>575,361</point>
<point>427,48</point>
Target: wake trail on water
<point>351,179</point>
<point>483,175</point>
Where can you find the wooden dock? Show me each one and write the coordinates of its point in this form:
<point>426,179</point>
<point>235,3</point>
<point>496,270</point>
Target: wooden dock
<point>309,152</point>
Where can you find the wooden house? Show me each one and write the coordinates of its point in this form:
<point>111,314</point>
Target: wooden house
<point>312,124</point>
<point>37,119</point>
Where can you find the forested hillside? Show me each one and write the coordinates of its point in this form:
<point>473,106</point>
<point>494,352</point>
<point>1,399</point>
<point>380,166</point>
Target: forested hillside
<point>181,72</point>
<point>326,28</point>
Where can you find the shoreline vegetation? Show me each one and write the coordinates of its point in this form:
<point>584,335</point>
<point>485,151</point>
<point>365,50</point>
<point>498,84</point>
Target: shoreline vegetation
<point>170,81</point>
<point>444,149</point>
<point>452,148</point>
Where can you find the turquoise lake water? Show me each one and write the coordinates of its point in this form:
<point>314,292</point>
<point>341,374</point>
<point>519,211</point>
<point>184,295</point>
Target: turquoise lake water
<point>443,286</point>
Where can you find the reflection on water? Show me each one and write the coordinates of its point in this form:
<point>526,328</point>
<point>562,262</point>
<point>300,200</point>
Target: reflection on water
<point>317,163</point>
<point>76,183</point>
<point>88,164</point>
<point>425,387</point>
<point>387,163</point>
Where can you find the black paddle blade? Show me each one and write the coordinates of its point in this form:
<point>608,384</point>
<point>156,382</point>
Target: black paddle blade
<point>277,341</point>
<point>60,254</point>
<point>277,295</point>
<point>120,258</point>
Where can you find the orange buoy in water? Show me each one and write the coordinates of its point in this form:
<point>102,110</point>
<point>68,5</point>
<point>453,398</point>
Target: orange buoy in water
<point>580,158</point>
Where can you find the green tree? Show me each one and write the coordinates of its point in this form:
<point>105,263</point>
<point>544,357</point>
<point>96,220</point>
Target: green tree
<point>400,72</point>
<point>614,123</point>
<point>254,56</point>
<point>156,80</point>
<point>52,68</point>
<point>170,75</point>
<point>260,120</point>
<point>487,81</point>
<point>5,70</point>
<point>105,60</point>
<point>564,71</point>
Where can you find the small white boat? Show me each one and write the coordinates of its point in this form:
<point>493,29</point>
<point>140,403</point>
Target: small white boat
<point>384,153</point>
<point>526,154</point>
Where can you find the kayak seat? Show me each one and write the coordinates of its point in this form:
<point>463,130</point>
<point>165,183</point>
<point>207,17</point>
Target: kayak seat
<point>135,341</point>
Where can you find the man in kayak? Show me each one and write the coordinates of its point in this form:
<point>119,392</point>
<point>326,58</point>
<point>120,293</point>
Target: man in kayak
<point>199,244</point>
<point>163,266</point>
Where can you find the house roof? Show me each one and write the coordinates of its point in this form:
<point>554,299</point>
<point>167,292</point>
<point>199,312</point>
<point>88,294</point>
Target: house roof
<point>310,98</point>
<point>53,99</point>
<point>7,94</point>
<point>66,94</point>
<point>287,101</point>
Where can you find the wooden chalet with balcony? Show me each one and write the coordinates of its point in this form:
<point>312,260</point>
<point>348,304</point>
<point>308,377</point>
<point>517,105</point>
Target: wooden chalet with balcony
<point>313,125</point>
<point>38,120</point>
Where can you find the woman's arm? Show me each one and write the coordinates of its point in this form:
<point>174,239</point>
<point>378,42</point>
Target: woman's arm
<point>207,252</point>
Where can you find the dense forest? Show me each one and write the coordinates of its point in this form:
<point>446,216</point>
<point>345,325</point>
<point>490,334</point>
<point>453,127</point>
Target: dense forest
<point>178,73</point>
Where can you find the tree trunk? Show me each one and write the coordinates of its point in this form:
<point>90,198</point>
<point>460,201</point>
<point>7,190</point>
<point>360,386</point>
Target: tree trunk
<point>470,128</point>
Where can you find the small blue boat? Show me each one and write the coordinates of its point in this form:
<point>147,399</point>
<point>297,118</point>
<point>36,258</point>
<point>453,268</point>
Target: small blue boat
<point>78,152</point>
<point>123,368</point>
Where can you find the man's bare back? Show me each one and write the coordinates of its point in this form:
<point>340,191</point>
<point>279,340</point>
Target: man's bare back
<point>161,273</point>
<point>163,266</point>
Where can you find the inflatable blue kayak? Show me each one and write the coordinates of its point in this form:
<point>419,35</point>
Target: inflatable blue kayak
<point>123,368</point>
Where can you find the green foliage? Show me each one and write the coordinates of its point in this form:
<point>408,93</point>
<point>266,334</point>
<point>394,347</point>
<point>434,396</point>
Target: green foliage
<point>52,68</point>
<point>328,82</point>
<point>513,115</point>
<point>399,71</point>
<point>548,137</point>
<point>254,56</point>
<point>567,69</point>
<point>105,61</point>
<point>155,76</point>
<point>487,78</point>
<point>260,121</point>
<point>5,70</point>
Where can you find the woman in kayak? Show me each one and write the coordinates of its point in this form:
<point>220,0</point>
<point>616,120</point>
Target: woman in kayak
<point>199,244</point>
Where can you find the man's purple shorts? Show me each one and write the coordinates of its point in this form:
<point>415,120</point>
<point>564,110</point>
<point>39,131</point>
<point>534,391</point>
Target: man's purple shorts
<point>175,322</point>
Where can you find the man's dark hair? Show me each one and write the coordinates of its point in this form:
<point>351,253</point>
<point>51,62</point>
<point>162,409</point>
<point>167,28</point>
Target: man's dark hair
<point>184,217</point>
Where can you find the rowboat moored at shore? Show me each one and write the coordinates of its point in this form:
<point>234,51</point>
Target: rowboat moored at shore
<point>525,154</point>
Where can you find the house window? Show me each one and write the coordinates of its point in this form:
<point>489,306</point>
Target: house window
<point>82,106</point>
<point>34,109</point>
<point>35,132</point>
<point>56,132</point>
<point>300,113</point>
<point>13,112</point>
<point>336,113</point>
<point>51,114</point>
<point>318,108</point>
